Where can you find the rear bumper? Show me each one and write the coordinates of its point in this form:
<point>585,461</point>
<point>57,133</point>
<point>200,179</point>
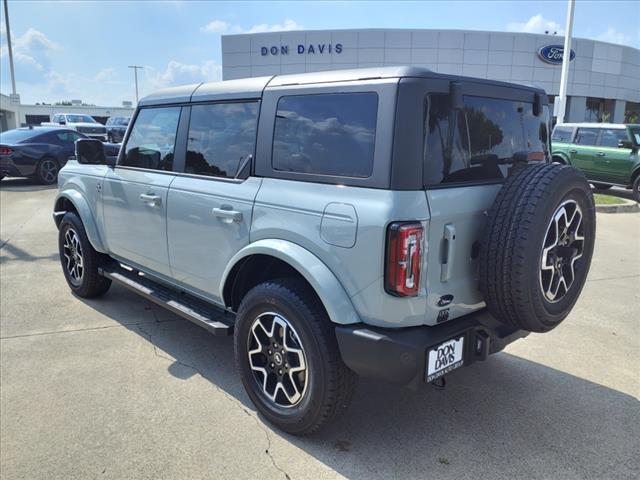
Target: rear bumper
<point>9,169</point>
<point>399,355</point>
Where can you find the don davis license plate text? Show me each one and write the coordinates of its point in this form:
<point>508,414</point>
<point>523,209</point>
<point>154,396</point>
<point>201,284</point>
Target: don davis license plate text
<point>444,358</point>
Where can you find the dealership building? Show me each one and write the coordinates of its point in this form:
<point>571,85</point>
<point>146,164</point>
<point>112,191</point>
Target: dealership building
<point>604,78</point>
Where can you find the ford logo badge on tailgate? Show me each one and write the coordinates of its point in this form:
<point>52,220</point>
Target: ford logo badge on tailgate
<point>554,53</point>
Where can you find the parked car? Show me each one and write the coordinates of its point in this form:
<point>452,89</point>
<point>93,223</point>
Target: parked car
<point>39,152</point>
<point>116,128</point>
<point>391,223</point>
<point>607,153</point>
<point>82,123</point>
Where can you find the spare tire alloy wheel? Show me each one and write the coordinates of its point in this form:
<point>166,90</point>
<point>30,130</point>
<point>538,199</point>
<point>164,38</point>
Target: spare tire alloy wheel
<point>277,359</point>
<point>563,246</point>
<point>72,252</point>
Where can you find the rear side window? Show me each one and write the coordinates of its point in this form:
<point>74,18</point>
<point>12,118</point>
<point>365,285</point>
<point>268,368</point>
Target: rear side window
<point>479,141</point>
<point>221,137</point>
<point>610,137</point>
<point>326,134</point>
<point>587,136</point>
<point>562,134</point>
<point>152,140</point>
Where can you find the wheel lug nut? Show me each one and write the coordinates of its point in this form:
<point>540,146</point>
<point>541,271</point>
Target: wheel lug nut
<point>269,352</point>
<point>272,365</point>
<point>279,372</point>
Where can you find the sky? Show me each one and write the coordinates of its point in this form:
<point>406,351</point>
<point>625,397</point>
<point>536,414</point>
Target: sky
<point>67,50</point>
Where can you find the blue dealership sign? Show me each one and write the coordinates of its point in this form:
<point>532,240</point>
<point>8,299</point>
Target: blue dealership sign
<point>553,54</point>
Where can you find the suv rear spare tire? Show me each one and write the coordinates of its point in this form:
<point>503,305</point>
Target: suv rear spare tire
<point>537,246</point>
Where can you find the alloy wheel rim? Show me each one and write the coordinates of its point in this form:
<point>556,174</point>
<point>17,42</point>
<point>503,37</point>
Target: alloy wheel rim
<point>72,252</point>
<point>49,170</point>
<point>277,359</point>
<point>563,247</point>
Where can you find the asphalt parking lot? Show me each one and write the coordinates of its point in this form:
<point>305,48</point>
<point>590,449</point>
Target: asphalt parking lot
<point>118,388</point>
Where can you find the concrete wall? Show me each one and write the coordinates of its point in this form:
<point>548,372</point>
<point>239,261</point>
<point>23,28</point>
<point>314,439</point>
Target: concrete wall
<point>599,69</point>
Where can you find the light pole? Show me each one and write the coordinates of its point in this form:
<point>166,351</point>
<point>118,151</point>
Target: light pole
<point>566,58</point>
<point>6,20</point>
<point>135,75</point>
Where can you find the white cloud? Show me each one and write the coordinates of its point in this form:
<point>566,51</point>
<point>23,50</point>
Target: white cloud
<point>106,75</point>
<point>216,26</point>
<point>30,50</point>
<point>287,25</point>
<point>178,73</point>
<point>614,36</point>
<point>220,26</point>
<point>536,24</point>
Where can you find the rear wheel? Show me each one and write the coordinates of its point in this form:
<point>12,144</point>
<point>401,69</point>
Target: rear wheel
<point>80,261</point>
<point>600,186</point>
<point>636,189</point>
<point>288,358</point>
<point>47,171</point>
<point>537,246</point>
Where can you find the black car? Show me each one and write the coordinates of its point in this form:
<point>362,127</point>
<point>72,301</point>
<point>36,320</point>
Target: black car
<point>39,152</point>
<point>116,128</point>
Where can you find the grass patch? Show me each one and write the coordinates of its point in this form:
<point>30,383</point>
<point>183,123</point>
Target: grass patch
<point>602,199</point>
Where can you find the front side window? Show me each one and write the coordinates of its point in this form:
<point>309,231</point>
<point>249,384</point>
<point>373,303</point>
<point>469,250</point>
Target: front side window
<point>326,134</point>
<point>152,140</point>
<point>562,134</point>
<point>80,119</point>
<point>480,141</point>
<point>221,138</point>
<point>611,137</point>
<point>587,136</point>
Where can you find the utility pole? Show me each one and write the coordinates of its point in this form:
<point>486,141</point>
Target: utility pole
<point>135,75</point>
<point>6,20</point>
<point>566,58</point>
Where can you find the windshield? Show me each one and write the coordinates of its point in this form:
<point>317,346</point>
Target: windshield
<point>80,119</point>
<point>18,135</point>
<point>635,133</point>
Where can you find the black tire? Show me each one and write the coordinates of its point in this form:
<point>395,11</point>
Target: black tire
<point>85,282</point>
<point>520,224</point>
<point>329,383</point>
<point>600,186</point>
<point>636,189</point>
<point>47,171</point>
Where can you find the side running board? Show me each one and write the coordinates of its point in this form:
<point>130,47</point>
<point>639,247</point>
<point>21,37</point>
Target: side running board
<point>213,319</point>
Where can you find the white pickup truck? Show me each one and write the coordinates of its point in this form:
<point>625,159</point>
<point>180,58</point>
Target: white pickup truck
<point>81,123</point>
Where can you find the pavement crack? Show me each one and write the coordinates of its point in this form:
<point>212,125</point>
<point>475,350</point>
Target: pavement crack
<point>225,394</point>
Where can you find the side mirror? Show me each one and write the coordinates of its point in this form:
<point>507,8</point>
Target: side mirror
<point>62,122</point>
<point>537,104</point>
<point>455,96</point>
<point>90,152</point>
<point>625,144</point>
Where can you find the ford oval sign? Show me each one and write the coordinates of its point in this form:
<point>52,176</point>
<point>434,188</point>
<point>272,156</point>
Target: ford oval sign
<point>553,54</point>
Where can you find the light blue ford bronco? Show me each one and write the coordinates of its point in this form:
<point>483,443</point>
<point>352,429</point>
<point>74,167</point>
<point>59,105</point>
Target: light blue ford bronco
<point>391,223</point>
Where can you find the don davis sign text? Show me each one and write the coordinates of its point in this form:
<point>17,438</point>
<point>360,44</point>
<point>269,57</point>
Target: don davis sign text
<point>318,49</point>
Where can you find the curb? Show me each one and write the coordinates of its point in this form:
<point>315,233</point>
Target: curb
<point>628,206</point>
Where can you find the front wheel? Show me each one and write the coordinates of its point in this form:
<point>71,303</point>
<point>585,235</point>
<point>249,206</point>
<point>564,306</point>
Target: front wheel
<point>636,189</point>
<point>79,259</point>
<point>287,356</point>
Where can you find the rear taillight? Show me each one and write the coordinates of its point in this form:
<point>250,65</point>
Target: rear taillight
<point>404,258</point>
<point>6,151</point>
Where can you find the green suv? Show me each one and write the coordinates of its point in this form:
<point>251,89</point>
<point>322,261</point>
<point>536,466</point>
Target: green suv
<point>607,153</point>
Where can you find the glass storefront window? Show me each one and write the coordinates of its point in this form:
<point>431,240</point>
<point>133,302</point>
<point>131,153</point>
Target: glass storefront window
<point>599,110</point>
<point>632,112</point>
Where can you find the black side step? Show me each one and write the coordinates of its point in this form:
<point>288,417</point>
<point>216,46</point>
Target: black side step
<point>214,319</point>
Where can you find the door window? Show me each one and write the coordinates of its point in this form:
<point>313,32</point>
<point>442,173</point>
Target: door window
<point>221,138</point>
<point>610,137</point>
<point>152,140</point>
<point>562,134</point>
<point>326,134</point>
<point>480,141</point>
<point>587,136</point>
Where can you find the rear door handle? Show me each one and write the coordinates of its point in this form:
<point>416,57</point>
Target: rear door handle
<point>227,215</point>
<point>573,151</point>
<point>449,252</point>
<point>150,199</point>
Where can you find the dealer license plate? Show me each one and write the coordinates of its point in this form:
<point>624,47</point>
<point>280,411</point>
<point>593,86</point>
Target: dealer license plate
<point>444,358</point>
